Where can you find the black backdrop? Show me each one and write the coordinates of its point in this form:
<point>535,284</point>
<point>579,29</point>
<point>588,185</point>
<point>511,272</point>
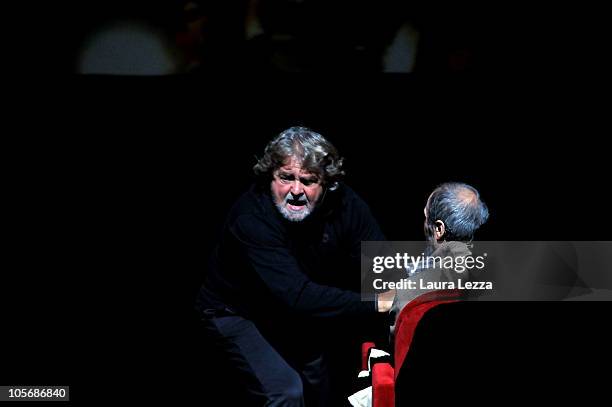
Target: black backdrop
<point>119,193</point>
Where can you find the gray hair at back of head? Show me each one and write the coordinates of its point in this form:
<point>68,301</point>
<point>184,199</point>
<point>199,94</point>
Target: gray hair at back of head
<point>461,216</point>
<point>311,149</point>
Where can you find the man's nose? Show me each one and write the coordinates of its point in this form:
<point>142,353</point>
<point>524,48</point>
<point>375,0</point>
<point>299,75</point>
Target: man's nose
<point>297,188</point>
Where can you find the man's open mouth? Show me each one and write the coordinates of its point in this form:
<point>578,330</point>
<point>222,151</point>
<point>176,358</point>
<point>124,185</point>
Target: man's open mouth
<point>295,205</point>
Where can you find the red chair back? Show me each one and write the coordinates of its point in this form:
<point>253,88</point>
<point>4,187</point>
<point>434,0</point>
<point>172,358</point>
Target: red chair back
<point>409,317</point>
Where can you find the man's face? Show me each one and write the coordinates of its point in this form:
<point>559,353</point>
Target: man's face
<point>295,191</point>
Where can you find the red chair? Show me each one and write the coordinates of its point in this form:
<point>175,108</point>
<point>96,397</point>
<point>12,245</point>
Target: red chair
<point>383,374</point>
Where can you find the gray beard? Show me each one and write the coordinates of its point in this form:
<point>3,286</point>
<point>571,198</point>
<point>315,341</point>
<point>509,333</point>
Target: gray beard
<point>291,215</point>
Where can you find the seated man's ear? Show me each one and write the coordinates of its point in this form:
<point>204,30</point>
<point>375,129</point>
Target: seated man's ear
<point>440,229</point>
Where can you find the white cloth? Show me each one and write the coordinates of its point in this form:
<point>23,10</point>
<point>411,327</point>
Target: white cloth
<point>363,398</point>
<point>375,353</point>
<point>364,373</point>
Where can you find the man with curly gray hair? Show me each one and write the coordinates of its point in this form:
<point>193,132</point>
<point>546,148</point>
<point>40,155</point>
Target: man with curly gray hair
<point>303,166</point>
<point>287,262</point>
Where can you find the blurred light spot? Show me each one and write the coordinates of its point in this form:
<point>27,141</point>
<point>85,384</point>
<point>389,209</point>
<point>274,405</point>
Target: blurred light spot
<point>127,48</point>
<point>401,53</point>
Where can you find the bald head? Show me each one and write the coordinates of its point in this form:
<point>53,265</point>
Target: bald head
<point>467,196</point>
<point>457,210</point>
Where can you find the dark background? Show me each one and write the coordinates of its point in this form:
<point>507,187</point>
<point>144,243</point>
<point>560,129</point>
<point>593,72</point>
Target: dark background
<point>118,185</point>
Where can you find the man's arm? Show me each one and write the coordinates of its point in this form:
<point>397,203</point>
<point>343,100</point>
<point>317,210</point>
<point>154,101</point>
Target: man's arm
<point>280,272</point>
<point>385,300</point>
<point>366,228</point>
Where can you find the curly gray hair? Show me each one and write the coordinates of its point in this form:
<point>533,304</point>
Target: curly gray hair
<point>311,149</point>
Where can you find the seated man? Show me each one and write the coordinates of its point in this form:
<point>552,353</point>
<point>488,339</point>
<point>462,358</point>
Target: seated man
<point>454,211</point>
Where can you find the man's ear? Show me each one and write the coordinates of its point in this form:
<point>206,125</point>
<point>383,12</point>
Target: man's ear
<point>440,229</point>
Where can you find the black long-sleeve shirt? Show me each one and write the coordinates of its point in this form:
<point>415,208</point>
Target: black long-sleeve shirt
<point>268,267</point>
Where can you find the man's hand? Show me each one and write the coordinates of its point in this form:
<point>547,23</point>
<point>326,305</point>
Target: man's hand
<point>385,300</point>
